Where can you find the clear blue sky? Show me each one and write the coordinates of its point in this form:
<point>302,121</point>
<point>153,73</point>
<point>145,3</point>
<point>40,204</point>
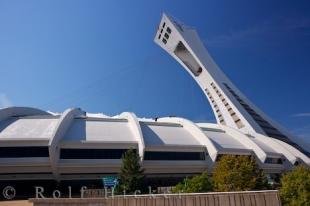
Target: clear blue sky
<point>100,56</point>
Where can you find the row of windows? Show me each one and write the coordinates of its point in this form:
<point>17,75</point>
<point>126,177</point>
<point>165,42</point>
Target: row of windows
<point>21,152</point>
<point>266,126</point>
<point>118,153</point>
<point>233,114</point>
<point>174,155</point>
<point>166,34</point>
<point>17,152</point>
<point>268,160</point>
<point>219,156</point>
<point>217,110</point>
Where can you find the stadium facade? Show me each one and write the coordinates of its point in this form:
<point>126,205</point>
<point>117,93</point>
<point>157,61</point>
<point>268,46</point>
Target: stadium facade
<point>76,145</point>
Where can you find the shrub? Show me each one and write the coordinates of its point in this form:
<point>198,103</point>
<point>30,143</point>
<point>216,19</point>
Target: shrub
<point>238,173</point>
<point>295,187</point>
<point>199,183</point>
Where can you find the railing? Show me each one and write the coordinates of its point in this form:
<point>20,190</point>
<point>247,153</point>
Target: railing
<point>241,198</point>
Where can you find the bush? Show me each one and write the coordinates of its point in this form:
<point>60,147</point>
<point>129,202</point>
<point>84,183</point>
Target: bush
<point>199,183</point>
<point>295,187</point>
<point>131,175</point>
<point>238,173</point>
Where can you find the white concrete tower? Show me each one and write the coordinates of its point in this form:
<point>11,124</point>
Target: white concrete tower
<point>230,106</point>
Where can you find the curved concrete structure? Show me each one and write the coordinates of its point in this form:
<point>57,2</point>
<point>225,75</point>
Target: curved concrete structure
<point>136,129</point>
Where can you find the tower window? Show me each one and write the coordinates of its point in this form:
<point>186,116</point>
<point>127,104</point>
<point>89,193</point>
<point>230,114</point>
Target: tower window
<point>232,113</point>
<point>164,24</point>
<point>239,123</point>
<point>159,36</point>
<point>164,41</point>
<point>167,36</point>
<point>168,30</point>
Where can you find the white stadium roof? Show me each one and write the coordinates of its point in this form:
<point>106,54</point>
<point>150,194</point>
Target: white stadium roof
<point>166,134</point>
<point>27,128</point>
<point>100,130</point>
<point>57,144</point>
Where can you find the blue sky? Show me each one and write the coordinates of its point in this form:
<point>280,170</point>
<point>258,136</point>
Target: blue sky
<point>100,56</point>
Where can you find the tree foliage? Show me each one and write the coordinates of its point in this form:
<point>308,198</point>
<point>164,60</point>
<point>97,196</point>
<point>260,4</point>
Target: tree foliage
<point>131,176</point>
<point>199,183</point>
<point>238,173</point>
<point>295,187</point>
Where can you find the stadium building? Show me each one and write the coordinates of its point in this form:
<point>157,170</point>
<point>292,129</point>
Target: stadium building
<point>76,145</point>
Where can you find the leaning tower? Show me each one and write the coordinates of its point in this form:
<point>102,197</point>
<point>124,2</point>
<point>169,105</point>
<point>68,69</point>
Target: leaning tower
<point>230,106</point>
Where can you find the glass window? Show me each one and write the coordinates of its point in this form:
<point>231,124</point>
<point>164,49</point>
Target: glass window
<point>168,30</point>
<point>148,155</point>
<point>167,36</point>
<point>273,160</point>
<point>19,152</point>
<point>92,153</point>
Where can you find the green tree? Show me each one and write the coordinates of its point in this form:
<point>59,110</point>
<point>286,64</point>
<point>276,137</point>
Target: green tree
<point>199,183</point>
<point>295,187</point>
<point>131,176</point>
<point>238,173</point>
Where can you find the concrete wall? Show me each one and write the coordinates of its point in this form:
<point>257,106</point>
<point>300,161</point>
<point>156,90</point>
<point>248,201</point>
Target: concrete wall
<point>259,198</point>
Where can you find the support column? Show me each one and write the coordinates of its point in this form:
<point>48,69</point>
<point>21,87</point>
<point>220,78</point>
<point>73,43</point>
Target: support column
<point>136,129</point>
<point>196,132</point>
<point>62,126</point>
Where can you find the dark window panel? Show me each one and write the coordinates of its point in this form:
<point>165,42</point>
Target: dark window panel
<point>273,160</point>
<point>92,153</point>
<point>19,152</point>
<point>170,156</point>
